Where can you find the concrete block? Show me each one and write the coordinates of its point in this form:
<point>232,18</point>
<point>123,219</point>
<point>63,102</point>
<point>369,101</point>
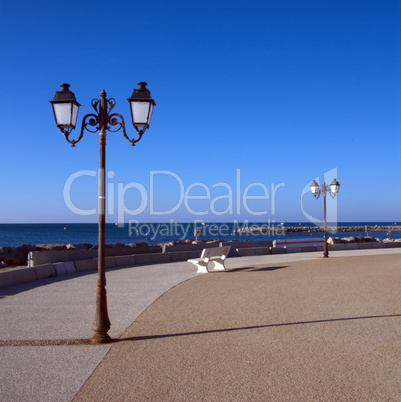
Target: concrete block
<point>293,249</point>
<point>160,258</point>
<point>60,268</point>
<point>194,254</point>
<point>124,260</point>
<point>392,244</point>
<point>307,249</point>
<point>45,271</point>
<point>143,259</point>
<point>352,246</point>
<point>379,245</point>
<point>337,246</point>
<point>180,256</point>
<point>245,244</point>
<point>365,246</point>
<point>152,258</point>
<point>52,256</point>
<point>262,250</point>
<point>70,267</point>
<point>110,263</point>
<point>13,276</point>
<point>141,250</point>
<point>298,242</point>
<point>189,247</point>
<point>86,265</point>
<point>242,252</point>
<point>278,250</point>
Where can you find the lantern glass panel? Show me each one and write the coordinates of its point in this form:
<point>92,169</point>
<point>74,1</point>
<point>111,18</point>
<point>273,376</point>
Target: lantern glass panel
<point>141,113</point>
<point>334,187</point>
<point>65,114</point>
<point>314,187</point>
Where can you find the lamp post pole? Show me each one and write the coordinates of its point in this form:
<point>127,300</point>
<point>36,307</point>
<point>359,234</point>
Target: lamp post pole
<point>65,108</point>
<point>101,324</point>
<point>326,248</point>
<point>325,189</point>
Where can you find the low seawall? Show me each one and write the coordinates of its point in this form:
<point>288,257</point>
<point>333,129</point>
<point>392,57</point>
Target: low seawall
<point>174,253</point>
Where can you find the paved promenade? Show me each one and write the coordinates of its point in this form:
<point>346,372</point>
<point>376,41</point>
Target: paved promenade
<point>294,327</point>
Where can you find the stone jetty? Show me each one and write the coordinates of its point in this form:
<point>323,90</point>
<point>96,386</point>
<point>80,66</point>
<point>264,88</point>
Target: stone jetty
<point>314,229</point>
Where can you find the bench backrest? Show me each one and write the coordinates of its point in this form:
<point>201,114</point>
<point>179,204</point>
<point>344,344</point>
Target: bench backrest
<point>215,251</point>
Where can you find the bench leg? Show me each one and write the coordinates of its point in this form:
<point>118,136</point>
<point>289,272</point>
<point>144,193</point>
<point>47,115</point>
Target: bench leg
<point>200,264</point>
<point>218,265</point>
<point>202,269</point>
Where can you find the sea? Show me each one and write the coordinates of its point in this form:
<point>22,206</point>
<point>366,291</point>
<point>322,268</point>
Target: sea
<point>156,233</point>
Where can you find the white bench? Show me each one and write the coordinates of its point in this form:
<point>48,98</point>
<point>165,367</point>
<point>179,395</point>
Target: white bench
<point>215,255</point>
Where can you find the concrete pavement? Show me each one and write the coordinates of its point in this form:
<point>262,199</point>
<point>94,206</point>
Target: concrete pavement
<point>274,327</point>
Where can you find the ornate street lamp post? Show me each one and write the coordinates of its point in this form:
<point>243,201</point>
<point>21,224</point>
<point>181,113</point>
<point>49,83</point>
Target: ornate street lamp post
<point>332,190</point>
<point>65,109</point>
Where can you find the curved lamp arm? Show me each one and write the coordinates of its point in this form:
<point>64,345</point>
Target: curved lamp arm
<point>117,119</point>
<point>88,120</point>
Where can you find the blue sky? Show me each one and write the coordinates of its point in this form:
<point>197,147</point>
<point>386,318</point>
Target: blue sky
<point>254,99</point>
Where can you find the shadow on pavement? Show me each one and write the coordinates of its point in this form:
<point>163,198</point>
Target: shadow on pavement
<point>214,331</point>
<point>254,269</point>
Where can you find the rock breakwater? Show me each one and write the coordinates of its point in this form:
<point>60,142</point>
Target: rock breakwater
<point>313,229</point>
<point>18,256</point>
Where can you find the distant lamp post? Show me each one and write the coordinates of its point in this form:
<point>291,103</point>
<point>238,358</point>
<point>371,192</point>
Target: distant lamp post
<point>332,190</point>
<point>65,109</point>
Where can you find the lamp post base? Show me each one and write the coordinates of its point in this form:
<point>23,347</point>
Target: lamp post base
<point>100,338</point>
